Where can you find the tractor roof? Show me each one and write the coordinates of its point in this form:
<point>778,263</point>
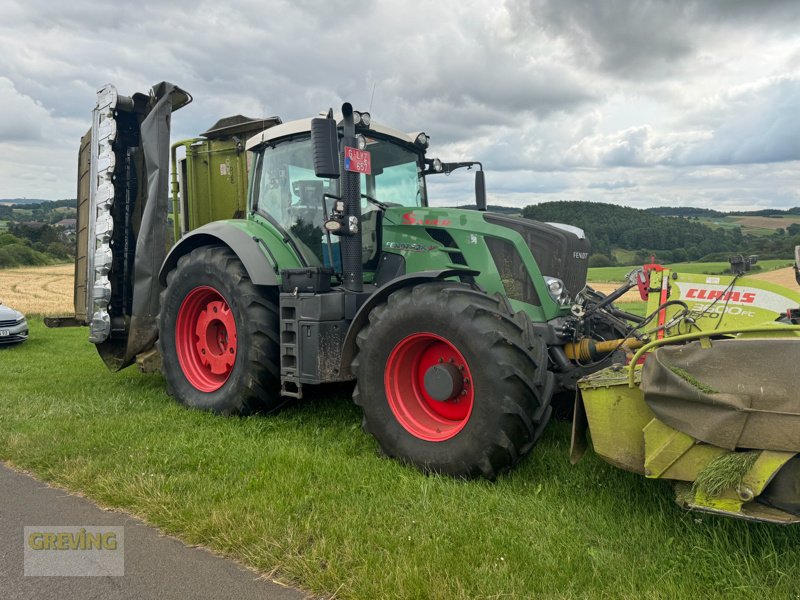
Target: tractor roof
<point>304,126</point>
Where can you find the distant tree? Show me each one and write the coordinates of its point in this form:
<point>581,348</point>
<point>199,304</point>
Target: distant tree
<point>599,260</point>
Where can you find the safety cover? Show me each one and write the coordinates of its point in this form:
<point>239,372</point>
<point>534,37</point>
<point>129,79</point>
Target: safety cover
<point>736,393</point>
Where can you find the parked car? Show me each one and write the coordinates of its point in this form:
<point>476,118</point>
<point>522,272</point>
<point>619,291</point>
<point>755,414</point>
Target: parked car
<point>13,326</point>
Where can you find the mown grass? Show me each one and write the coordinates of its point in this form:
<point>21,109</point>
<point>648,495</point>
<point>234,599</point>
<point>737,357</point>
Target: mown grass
<point>710,268</point>
<point>304,496</point>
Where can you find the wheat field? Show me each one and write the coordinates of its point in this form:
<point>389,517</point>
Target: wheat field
<point>39,290</point>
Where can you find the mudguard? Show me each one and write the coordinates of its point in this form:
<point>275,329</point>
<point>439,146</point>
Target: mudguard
<point>237,235</point>
<point>381,294</point>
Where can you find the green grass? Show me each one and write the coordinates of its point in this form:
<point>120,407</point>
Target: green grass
<point>692,380</point>
<point>724,472</point>
<point>709,268</point>
<point>623,256</point>
<point>305,496</point>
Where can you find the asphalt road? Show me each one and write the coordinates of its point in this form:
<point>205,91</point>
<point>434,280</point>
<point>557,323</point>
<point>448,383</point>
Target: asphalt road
<point>156,567</point>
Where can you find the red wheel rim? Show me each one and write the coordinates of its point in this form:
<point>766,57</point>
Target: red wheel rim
<point>205,339</point>
<point>420,414</point>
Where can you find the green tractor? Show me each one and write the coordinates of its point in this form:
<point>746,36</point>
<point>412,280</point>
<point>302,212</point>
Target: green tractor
<point>306,252</point>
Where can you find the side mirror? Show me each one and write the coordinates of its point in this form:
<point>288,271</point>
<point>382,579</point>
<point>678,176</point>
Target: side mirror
<point>325,147</point>
<point>480,190</point>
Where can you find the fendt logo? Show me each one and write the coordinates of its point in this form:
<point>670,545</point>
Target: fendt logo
<point>706,294</point>
<point>411,219</point>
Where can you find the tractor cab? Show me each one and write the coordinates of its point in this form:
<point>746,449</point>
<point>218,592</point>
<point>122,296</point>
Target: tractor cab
<point>285,190</point>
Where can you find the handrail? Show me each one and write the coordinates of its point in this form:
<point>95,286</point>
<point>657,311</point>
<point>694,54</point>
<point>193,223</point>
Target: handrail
<point>700,335</point>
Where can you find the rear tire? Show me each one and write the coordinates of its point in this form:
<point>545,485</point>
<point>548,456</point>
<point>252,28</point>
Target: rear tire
<point>218,335</point>
<point>497,386</point>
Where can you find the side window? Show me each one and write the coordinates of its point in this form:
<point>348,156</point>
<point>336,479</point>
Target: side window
<point>291,194</point>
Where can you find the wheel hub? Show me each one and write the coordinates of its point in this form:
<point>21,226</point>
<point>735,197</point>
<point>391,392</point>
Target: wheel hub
<point>216,349</point>
<point>443,381</point>
<point>429,387</point>
<point>205,339</point>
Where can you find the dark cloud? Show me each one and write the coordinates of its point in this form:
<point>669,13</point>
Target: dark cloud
<point>647,39</point>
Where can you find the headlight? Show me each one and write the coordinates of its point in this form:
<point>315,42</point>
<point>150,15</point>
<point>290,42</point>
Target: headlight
<point>437,165</point>
<point>361,142</point>
<point>556,289</point>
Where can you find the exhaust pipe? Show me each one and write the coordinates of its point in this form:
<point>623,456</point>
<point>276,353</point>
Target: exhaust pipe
<point>353,276</point>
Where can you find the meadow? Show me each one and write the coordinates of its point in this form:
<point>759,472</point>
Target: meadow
<point>305,497</point>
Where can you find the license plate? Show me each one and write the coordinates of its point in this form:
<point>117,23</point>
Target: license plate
<point>5,332</point>
<point>357,161</point>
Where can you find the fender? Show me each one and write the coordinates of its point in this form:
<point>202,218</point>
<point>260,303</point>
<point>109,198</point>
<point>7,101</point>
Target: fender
<point>380,295</point>
<point>257,261</point>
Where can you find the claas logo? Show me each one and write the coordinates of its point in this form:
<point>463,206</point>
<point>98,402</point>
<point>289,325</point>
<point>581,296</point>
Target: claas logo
<point>706,294</point>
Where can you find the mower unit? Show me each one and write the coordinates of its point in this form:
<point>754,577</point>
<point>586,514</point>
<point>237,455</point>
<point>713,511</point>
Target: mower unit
<point>701,410</point>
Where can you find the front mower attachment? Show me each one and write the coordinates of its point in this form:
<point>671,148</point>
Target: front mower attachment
<point>719,417</point>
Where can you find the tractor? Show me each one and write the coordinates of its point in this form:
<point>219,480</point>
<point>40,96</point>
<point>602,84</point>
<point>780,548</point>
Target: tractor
<point>306,252</point>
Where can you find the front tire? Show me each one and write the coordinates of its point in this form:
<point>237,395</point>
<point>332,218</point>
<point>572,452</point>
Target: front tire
<point>451,381</point>
<point>218,335</point>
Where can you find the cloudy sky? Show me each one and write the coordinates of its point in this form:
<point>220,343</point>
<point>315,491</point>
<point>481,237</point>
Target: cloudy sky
<point>640,103</point>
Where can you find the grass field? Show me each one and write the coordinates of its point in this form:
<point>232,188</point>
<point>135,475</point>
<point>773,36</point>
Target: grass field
<point>710,268</point>
<point>304,496</point>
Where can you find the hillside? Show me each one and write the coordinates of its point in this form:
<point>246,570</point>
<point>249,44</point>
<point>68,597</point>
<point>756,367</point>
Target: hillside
<point>688,211</point>
<point>26,201</point>
<point>754,222</point>
<point>37,232</point>
<point>623,235</point>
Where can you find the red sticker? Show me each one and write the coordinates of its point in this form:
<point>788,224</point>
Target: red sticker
<point>357,161</point>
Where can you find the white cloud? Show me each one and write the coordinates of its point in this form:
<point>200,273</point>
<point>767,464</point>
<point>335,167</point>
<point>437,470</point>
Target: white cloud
<point>22,118</point>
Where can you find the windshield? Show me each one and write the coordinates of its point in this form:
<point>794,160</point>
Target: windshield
<point>288,191</point>
<point>396,176</point>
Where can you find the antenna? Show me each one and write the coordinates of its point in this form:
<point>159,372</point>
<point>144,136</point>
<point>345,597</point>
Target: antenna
<point>369,110</point>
